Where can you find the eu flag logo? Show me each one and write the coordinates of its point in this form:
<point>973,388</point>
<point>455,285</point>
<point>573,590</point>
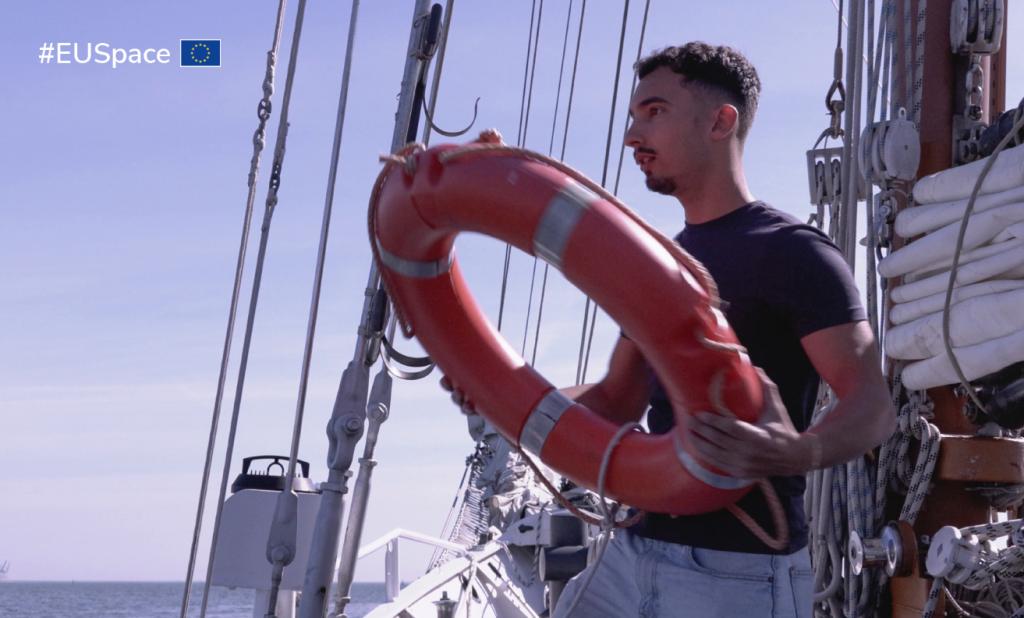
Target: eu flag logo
<point>200,52</point>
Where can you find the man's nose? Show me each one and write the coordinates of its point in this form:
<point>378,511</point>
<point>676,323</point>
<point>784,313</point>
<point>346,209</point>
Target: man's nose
<point>632,138</point>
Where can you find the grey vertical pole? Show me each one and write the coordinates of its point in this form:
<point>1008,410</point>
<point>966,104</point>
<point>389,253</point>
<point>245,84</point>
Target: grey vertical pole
<point>378,410</point>
<point>348,417</point>
<point>851,128</point>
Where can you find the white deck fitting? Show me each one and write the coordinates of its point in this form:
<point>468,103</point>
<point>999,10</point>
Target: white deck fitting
<point>941,244</point>
<point>241,560</point>
<point>972,321</point>
<point>906,312</point>
<point>958,182</point>
<point>975,361</point>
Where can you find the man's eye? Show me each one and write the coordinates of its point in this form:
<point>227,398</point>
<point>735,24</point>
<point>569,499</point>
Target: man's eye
<point>654,111</point>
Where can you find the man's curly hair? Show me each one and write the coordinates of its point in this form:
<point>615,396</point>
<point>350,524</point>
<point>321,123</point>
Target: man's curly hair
<point>717,68</point>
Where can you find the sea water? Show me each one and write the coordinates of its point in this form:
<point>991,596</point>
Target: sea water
<point>143,600</point>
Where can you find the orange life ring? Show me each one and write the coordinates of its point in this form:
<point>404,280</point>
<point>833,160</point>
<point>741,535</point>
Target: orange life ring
<point>424,198</point>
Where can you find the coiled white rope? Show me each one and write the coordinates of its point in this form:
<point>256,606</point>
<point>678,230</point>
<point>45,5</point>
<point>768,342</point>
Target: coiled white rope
<point>849,498</point>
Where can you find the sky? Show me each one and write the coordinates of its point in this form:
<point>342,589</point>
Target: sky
<point>122,192</point>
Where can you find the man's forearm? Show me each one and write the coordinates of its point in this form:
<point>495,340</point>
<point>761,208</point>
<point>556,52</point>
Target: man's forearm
<point>596,399</point>
<point>856,425</point>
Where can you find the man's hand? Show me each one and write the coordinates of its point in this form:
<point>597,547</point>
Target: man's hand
<point>459,397</point>
<point>771,447</point>
<point>478,427</point>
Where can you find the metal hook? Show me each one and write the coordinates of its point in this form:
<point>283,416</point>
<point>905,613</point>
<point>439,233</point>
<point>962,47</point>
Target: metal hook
<point>835,107</point>
<point>434,127</point>
<point>419,366</point>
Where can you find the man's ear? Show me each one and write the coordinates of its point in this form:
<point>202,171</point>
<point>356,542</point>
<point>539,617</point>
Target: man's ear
<point>727,119</point>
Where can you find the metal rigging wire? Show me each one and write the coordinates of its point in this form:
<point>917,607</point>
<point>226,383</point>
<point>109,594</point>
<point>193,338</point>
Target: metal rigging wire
<point>519,132</point>
<point>632,87</point>
<point>271,203</point>
<point>551,147</point>
<point>522,143</point>
<point>584,359</point>
<point>565,140</point>
<point>314,305</point>
<point>263,112</point>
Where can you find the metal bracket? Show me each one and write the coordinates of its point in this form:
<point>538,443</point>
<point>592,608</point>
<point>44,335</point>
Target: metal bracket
<point>976,26</point>
<point>825,186</point>
<point>966,139</point>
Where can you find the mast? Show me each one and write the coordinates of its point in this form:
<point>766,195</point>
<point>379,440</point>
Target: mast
<point>963,457</point>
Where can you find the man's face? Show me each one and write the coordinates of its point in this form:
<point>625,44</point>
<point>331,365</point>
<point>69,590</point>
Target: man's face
<point>668,132</point>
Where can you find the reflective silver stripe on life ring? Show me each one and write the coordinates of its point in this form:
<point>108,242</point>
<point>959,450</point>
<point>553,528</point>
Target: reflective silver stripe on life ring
<point>415,269</point>
<point>559,220</point>
<point>542,419</point>
<point>718,481</point>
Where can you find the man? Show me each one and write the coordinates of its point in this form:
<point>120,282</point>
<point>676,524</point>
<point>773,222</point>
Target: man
<point>791,300</point>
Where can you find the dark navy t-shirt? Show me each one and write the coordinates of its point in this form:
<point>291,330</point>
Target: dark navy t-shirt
<point>779,281</point>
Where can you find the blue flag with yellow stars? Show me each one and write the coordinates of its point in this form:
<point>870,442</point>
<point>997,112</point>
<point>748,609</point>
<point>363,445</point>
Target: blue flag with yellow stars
<point>200,52</point>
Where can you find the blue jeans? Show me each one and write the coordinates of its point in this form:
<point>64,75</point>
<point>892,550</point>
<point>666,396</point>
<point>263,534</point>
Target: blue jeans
<point>654,579</point>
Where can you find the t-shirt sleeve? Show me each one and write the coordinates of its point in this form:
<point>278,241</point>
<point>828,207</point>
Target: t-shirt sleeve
<point>815,286</point>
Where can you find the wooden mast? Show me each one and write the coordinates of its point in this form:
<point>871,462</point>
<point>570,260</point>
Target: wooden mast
<point>964,459</point>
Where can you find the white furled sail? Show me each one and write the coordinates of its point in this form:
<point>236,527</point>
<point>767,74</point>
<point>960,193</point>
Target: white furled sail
<point>974,255</point>
<point>941,244</point>
<point>986,324</point>
<point>957,183</point>
<point>976,361</point>
<point>972,321</point>
<point>905,312</point>
<point>926,218</point>
<point>1006,265</point>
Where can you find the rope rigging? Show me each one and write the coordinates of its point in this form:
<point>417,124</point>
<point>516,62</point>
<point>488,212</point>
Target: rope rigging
<point>281,543</point>
<point>531,42</point>
<point>841,501</point>
<point>271,203</point>
<point>551,145</point>
<point>585,355</point>
<point>521,142</point>
<point>263,111</point>
<point>285,514</point>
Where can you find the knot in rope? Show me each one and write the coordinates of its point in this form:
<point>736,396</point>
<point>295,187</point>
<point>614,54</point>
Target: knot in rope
<point>490,136</point>
<point>404,158</point>
<point>917,408</point>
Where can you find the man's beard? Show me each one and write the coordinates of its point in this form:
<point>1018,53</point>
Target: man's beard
<point>665,186</point>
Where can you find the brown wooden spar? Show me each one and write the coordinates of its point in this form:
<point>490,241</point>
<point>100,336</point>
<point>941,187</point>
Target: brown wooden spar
<point>965,460</point>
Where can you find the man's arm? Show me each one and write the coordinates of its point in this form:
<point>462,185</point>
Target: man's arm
<point>621,396</point>
<point>846,357</point>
